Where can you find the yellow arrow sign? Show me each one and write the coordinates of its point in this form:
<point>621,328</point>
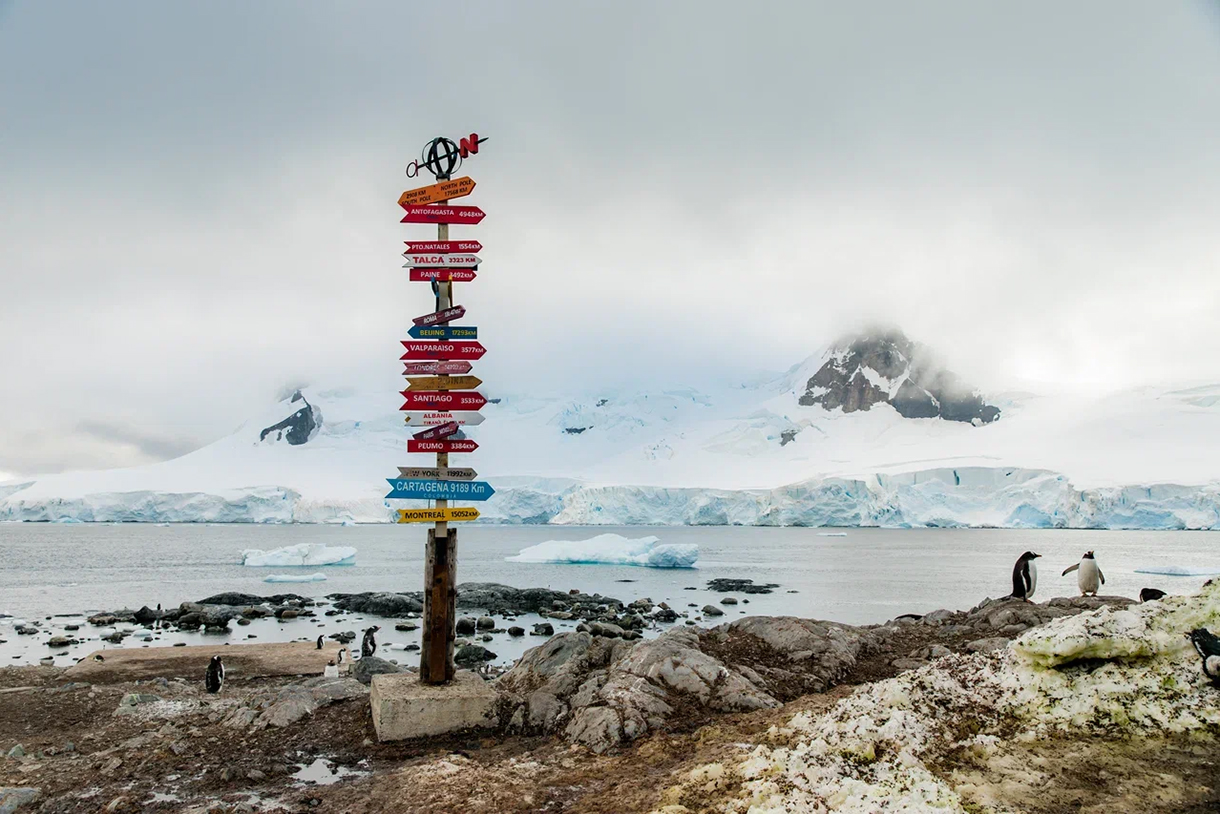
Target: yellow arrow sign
<point>455,515</point>
<point>444,191</point>
<point>444,383</point>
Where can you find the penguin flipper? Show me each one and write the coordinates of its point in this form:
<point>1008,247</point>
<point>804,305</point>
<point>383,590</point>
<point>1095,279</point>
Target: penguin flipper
<point>1101,576</point>
<point>1069,569</point>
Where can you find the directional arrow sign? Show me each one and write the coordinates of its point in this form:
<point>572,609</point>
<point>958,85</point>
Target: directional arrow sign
<point>420,349</point>
<point>443,400</point>
<point>434,368</point>
<point>439,429</point>
<point>437,473</point>
<point>419,489</point>
<point>433,213</point>
<point>443,245</point>
<point>441,446</point>
<point>434,260</point>
<point>454,515</point>
<point>444,275</point>
<point>444,191</point>
<point>440,317</point>
<point>444,383</point>
<point>431,418</point>
<point>444,332</point>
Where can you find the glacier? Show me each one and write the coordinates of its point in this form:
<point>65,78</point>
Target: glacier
<point>611,549</point>
<point>302,554</point>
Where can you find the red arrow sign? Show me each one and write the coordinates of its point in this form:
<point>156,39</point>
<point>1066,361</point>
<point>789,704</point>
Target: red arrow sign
<point>436,368</point>
<point>444,275</point>
<point>441,446</point>
<point>421,349</point>
<point>443,246</point>
<point>434,433</point>
<point>435,213</point>
<point>441,317</point>
<point>442,400</point>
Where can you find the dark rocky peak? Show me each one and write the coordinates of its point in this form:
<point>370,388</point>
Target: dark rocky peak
<point>885,367</point>
<point>297,428</point>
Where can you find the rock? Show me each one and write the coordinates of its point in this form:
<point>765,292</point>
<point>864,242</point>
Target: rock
<point>379,604</point>
<point>516,631</point>
<point>485,623</point>
<point>228,774</point>
<point>236,599</point>
<point>286,613</point>
<point>146,615</point>
<point>71,628</point>
<point>17,751</point>
<point>256,775</point>
<point>243,621</point>
<point>473,654</point>
<point>987,645</point>
<point>59,641</point>
<point>369,666</point>
<point>907,664</point>
<point>666,615</point>
<point>504,600</point>
<point>728,600</point>
<point>606,629</point>
<point>712,610</point>
<point>486,637</point>
<point>745,586</point>
<point>102,619</point>
<point>406,626</point>
<point>937,617</point>
<point>13,798</point>
<point>543,629</point>
<point>466,625</point>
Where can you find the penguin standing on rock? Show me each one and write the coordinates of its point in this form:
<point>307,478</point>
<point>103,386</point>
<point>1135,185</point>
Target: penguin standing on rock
<point>1025,576</point>
<point>368,645</point>
<point>214,678</point>
<point>1090,578</point>
<point>1208,647</point>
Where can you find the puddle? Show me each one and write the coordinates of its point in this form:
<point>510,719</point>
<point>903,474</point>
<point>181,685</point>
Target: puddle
<point>323,773</point>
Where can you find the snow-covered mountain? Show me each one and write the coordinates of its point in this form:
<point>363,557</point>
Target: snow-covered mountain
<point>870,432</point>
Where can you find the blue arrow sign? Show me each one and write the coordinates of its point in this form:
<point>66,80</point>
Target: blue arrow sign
<point>415,489</point>
<point>444,332</point>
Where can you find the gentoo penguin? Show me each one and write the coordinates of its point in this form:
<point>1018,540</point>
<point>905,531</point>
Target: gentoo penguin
<point>339,665</point>
<point>368,645</point>
<point>98,657</point>
<point>214,678</point>
<point>1208,646</point>
<point>319,641</point>
<point>1090,577</point>
<point>1149,594</point>
<point>1025,576</point>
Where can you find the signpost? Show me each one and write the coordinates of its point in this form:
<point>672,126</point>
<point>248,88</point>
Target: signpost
<point>437,472</point>
<point>437,418</point>
<point>420,489</point>
<point>444,383</point>
<point>443,245</point>
<point>434,368</point>
<point>441,447</point>
<point>436,213</point>
<point>441,350</point>
<point>457,514</point>
<point>437,354</point>
<point>444,332</point>
<point>445,190</point>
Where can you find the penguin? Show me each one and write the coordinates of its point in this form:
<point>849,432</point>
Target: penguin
<point>368,645</point>
<point>1149,594</point>
<point>1090,577</point>
<point>319,641</point>
<point>98,657</point>
<point>339,665</point>
<point>1208,647</point>
<point>1025,576</point>
<point>214,678</point>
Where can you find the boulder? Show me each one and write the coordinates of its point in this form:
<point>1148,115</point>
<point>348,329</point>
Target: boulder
<point>379,603</point>
<point>543,629</point>
<point>516,631</point>
<point>466,625</point>
<point>712,610</point>
<point>369,666</point>
<point>485,623</point>
<point>15,797</point>
<point>472,655</point>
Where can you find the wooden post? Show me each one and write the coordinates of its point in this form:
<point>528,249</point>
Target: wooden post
<point>440,562</point>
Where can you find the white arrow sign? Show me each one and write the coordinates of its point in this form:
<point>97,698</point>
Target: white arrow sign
<point>432,418</point>
<point>441,260</point>
<point>437,473</point>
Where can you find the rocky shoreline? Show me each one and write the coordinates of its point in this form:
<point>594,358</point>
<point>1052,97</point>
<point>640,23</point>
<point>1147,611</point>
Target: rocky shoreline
<point>677,708</point>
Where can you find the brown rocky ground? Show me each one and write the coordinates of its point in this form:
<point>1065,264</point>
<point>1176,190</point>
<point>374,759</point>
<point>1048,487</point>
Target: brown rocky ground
<point>181,753</point>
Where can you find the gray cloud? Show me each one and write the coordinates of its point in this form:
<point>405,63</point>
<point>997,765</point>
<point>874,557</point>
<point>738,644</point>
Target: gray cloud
<point>198,199</point>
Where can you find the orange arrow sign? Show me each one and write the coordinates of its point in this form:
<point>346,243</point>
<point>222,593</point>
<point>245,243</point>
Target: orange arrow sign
<point>444,191</point>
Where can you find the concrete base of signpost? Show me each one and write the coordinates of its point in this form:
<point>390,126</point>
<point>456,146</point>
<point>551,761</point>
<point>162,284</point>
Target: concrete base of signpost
<point>403,708</point>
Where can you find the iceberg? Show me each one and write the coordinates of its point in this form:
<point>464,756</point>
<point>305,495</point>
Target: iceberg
<point>1178,571</point>
<point>316,577</point>
<point>611,549</point>
<point>302,554</point>
<point>832,534</point>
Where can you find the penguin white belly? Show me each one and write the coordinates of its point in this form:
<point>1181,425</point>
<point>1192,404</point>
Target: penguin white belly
<point>1033,579</point>
<point>1211,667</point>
<point>1087,577</point>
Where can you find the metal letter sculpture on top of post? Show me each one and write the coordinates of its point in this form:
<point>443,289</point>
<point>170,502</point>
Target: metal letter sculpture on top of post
<point>429,400</point>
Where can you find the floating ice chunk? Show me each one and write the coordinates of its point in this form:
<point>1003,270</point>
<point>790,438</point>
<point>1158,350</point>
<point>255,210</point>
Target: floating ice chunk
<point>318,577</point>
<point>612,549</point>
<point>832,534</point>
<point>1178,571</point>
<point>303,554</point>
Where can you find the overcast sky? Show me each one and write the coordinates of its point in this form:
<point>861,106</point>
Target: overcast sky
<point>199,208</point>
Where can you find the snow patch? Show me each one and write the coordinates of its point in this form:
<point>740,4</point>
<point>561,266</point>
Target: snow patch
<point>302,554</point>
<point>611,549</point>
